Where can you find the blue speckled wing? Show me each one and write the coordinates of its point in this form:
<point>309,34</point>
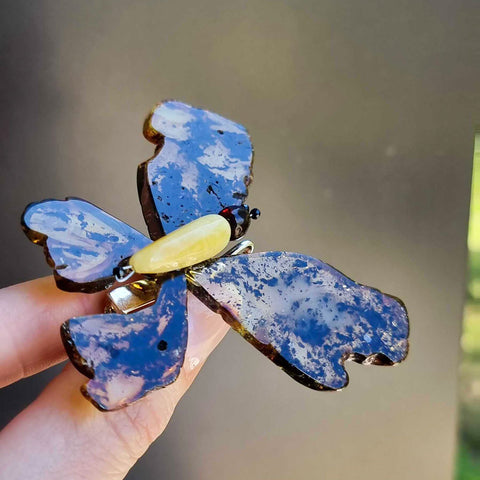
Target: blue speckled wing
<point>127,356</point>
<point>81,242</point>
<point>202,164</point>
<point>304,315</point>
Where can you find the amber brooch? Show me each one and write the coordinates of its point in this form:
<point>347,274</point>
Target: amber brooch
<point>304,315</point>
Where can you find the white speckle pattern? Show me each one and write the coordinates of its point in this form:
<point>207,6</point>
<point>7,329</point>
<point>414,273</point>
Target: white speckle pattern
<point>84,242</point>
<point>203,165</point>
<point>311,315</point>
<point>130,355</point>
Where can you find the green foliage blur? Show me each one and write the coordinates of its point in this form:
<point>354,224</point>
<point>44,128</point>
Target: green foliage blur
<point>468,456</point>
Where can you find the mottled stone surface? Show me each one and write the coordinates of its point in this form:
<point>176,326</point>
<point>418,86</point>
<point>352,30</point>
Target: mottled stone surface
<point>203,165</point>
<point>126,356</point>
<point>81,242</point>
<point>301,313</point>
<point>304,315</point>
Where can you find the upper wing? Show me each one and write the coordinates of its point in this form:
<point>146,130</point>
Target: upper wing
<point>202,164</point>
<point>81,242</point>
<point>126,356</point>
<point>304,315</point>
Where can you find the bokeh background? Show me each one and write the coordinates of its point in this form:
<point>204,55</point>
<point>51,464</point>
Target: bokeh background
<point>468,452</point>
<point>362,115</point>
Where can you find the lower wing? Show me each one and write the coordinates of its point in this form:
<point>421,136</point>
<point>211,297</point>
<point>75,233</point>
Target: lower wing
<point>127,356</point>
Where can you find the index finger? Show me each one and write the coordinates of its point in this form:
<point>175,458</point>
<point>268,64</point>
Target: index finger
<point>30,317</point>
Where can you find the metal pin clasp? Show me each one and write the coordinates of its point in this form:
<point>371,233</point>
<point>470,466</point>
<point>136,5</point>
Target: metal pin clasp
<point>133,297</point>
<point>244,247</point>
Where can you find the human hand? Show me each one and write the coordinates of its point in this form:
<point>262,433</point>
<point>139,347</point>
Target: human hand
<point>61,435</point>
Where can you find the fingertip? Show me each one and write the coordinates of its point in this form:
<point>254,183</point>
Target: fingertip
<point>30,317</point>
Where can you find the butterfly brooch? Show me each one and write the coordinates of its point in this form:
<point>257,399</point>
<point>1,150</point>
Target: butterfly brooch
<point>301,313</point>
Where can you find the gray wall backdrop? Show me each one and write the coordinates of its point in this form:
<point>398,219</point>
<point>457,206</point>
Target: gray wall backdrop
<point>362,117</point>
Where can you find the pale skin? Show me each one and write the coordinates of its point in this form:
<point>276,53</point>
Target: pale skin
<point>61,435</point>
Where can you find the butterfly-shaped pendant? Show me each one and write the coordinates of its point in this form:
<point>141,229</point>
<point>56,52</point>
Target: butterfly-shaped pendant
<point>303,314</point>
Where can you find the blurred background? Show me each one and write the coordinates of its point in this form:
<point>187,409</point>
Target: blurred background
<point>468,454</point>
<point>362,115</point>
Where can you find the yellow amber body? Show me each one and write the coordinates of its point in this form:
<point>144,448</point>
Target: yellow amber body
<point>193,243</point>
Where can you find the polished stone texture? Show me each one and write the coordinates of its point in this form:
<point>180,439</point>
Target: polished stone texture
<point>306,316</point>
<point>81,242</point>
<point>190,244</point>
<point>126,356</point>
<point>301,313</point>
<point>203,165</point>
